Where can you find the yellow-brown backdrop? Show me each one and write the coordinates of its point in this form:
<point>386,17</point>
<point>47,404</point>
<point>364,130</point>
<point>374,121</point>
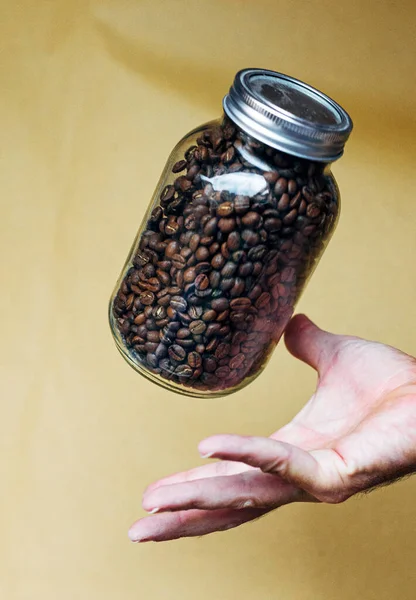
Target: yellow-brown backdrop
<point>93,96</point>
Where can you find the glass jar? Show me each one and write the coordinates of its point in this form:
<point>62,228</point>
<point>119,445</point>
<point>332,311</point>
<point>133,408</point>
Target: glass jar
<point>241,215</point>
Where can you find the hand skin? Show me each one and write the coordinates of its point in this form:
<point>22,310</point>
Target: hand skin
<point>356,432</point>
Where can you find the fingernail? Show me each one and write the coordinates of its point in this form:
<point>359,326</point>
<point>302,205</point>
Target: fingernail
<point>153,511</point>
<point>133,538</point>
<point>206,454</point>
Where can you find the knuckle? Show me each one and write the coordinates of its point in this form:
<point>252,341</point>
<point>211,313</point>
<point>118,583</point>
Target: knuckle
<point>276,464</point>
<point>248,503</point>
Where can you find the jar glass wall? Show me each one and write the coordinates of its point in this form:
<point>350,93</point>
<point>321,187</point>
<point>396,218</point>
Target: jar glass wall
<point>233,232</point>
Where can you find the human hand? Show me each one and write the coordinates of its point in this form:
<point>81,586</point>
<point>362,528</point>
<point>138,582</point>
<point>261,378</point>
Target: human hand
<point>358,430</point>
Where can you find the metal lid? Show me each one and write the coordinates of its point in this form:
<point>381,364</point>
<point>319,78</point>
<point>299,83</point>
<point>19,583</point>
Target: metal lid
<point>287,114</point>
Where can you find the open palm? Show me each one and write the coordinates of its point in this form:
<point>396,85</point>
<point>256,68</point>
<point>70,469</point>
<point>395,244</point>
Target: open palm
<point>358,430</point>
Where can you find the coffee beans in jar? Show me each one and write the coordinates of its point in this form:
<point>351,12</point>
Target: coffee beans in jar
<point>237,225</point>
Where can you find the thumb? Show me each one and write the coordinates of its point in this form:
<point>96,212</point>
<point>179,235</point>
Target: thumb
<point>310,344</point>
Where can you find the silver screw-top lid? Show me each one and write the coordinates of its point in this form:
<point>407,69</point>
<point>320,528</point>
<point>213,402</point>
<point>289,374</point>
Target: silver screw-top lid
<point>287,114</point>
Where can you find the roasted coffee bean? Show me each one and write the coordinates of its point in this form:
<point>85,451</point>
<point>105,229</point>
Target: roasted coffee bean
<point>228,269</point>
<point>240,304</point>
<point>220,304</point>
<point>226,225</point>
<point>225,209</point>
<point>179,166</point>
<point>161,351</point>
<point>178,261</point>
<point>211,226</point>
<point>251,219</point>
<point>151,346</point>
<point>233,240</point>
<point>280,186</point>
<point>209,364</point>
<point>186,343</point>
<point>237,361</point>
<point>195,312</point>
<point>178,303</point>
<point>202,253</point>
<point>218,261</point>
<point>171,227</point>
<point>294,203</point>
<point>271,176</point>
<point>183,333</point>
<point>194,242</point>
<point>189,275</point>
<point>201,282</point>
<point>290,217</point>
<point>245,269</point>
<point>209,315</point>
<point>213,329</point>
<point>272,224</point>
<point>222,372</point>
<point>222,351</point>
<point>140,319</point>
<point>212,344</point>
<point>177,353</point>
<point>213,249</point>
<point>192,173</point>
<point>167,194</point>
<point>238,287</point>
<point>197,327</point>
<point>313,210</point>
<point>225,251</point>
<point>250,237</point>
<point>147,298</point>
<point>202,267</point>
<point>184,372</point>
<point>226,284</point>
<point>203,293</point>
<point>214,279</point>
<point>172,249</point>
<point>194,360</point>
<point>241,204</point>
<point>283,203</point>
<point>263,300</point>
<point>223,316</point>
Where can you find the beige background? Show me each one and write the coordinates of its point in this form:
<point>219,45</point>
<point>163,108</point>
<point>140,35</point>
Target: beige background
<point>93,96</point>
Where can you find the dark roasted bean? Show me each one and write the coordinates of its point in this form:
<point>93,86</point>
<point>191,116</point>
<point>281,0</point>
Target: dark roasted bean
<point>245,269</point>
<point>214,279</point>
<point>225,209</point>
<point>251,238</point>
<point>179,166</point>
<point>197,327</point>
<point>202,267</point>
<point>211,226</point>
<point>251,219</point>
<point>202,253</point>
<point>218,261</point>
<point>240,303</point>
<point>228,269</point>
<point>226,225</point>
<point>177,353</point>
<point>194,360</point>
<point>233,240</point>
<point>195,312</point>
<point>178,303</point>
<point>283,203</point>
<point>209,315</point>
<point>241,204</point>
<point>290,217</point>
<point>201,282</point>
